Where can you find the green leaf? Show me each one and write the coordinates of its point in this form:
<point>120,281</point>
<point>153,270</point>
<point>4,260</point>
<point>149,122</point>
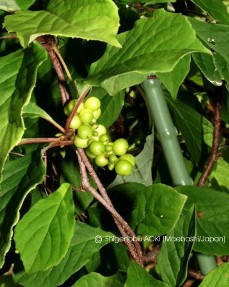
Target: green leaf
<point>173,257</point>
<point>190,123</point>
<point>219,173</point>
<point>20,176</point>
<point>137,276</point>
<point>162,210</point>
<point>111,108</point>
<point>33,111</point>
<point>96,279</point>
<point>212,218</point>
<point>215,37</point>
<point>207,66</point>
<point>87,19</point>
<point>47,228</point>
<point>215,8</point>
<point>172,80</point>
<point>152,210</point>
<point>81,250</point>
<point>218,277</point>
<point>148,1</point>
<point>140,55</point>
<point>142,171</point>
<point>14,5</point>
<point>19,71</point>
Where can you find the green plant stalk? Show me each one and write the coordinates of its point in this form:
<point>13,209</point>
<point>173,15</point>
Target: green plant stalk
<point>173,154</point>
<point>166,131</point>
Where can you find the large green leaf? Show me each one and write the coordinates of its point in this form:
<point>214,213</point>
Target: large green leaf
<point>174,254</point>
<point>215,8</point>
<point>212,219</point>
<point>152,210</point>
<point>82,248</point>
<point>18,78</point>
<point>215,37</point>
<point>137,276</point>
<point>162,210</point>
<point>190,123</point>
<point>19,177</point>
<point>172,80</point>
<point>142,171</point>
<point>149,47</point>
<point>87,19</point>
<point>218,277</point>
<point>14,5</point>
<point>44,233</point>
<point>96,279</point>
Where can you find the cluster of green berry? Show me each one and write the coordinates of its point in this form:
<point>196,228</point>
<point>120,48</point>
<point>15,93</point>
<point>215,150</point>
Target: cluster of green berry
<point>95,140</point>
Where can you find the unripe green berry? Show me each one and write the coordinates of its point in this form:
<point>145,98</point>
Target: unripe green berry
<point>120,146</point>
<point>104,138</point>
<point>112,158</point>
<point>84,131</point>
<point>76,122</point>
<point>80,143</point>
<point>92,104</point>
<point>89,154</point>
<point>123,167</point>
<point>96,147</point>
<point>97,114</point>
<point>111,166</point>
<point>129,157</point>
<point>86,116</point>
<point>101,130</point>
<point>101,160</point>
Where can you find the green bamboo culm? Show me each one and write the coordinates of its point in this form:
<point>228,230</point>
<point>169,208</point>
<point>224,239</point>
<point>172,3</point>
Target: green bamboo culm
<point>168,137</point>
<point>166,131</point>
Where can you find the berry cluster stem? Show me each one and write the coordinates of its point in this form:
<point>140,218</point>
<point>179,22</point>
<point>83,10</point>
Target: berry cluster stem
<point>103,198</point>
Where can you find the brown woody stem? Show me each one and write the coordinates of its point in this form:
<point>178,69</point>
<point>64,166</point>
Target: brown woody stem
<point>215,145</point>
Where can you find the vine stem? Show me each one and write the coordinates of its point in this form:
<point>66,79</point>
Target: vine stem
<point>49,43</point>
<point>124,228</point>
<point>215,145</point>
<point>173,154</point>
<point>166,130</point>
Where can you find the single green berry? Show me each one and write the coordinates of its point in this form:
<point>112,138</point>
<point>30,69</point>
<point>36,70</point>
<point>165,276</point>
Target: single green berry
<point>101,160</point>
<point>84,131</point>
<point>80,143</point>
<point>111,166</point>
<point>104,138</point>
<point>97,114</point>
<point>89,154</point>
<point>69,107</point>
<point>86,116</point>
<point>92,104</point>
<point>96,148</point>
<point>123,167</point>
<point>101,130</point>
<point>129,157</point>
<point>76,122</point>
<point>120,146</point>
<point>112,158</point>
